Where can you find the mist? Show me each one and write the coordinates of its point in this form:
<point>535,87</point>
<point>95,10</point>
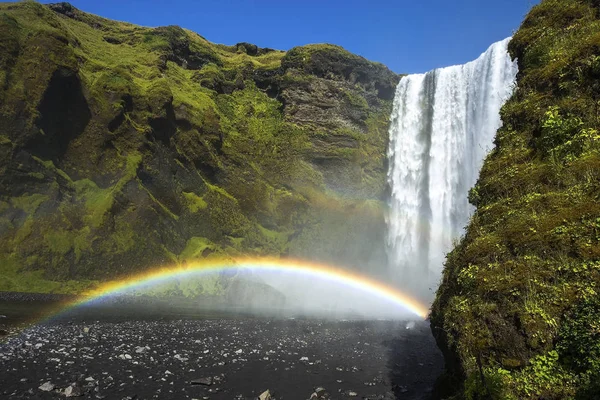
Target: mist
<point>252,291</point>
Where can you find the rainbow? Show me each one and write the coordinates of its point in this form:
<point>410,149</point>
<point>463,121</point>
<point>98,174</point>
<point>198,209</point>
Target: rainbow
<point>319,271</point>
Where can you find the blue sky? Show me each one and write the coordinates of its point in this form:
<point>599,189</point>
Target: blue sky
<point>408,36</point>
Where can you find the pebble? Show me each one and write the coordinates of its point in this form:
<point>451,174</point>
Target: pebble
<point>202,381</point>
<point>170,352</point>
<point>47,387</point>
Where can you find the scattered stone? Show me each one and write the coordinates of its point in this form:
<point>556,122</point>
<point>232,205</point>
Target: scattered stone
<point>182,359</point>
<point>56,353</point>
<point>319,390</point>
<point>73,391</point>
<point>202,381</point>
<point>86,329</point>
<point>320,393</point>
<point>47,387</point>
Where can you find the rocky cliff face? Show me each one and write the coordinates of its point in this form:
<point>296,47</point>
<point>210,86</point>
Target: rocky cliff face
<point>518,308</point>
<point>124,148</point>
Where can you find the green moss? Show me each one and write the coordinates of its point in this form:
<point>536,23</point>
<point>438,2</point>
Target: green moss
<point>189,151</point>
<point>355,100</point>
<point>160,204</point>
<point>61,241</point>
<point>226,217</point>
<point>123,238</point>
<point>28,203</point>
<point>197,247</point>
<point>517,289</point>
<point>195,202</point>
<point>4,140</point>
<point>4,206</point>
<point>97,201</point>
<point>14,279</point>
<point>49,165</point>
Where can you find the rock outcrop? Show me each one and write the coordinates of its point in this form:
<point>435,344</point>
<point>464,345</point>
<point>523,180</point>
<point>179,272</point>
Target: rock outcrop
<point>518,308</point>
<point>124,148</point>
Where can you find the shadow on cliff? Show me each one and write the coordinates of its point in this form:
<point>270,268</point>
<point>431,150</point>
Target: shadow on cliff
<point>414,362</point>
<point>64,115</point>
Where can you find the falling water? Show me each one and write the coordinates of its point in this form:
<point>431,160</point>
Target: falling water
<point>443,125</point>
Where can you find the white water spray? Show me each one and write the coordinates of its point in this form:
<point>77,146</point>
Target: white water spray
<point>443,125</point>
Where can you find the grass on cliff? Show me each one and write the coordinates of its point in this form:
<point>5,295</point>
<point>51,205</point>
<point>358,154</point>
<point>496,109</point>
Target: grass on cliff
<point>185,153</point>
<point>519,287</point>
<point>14,279</point>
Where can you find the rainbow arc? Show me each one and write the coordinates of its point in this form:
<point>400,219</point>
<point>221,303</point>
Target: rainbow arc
<point>288,266</point>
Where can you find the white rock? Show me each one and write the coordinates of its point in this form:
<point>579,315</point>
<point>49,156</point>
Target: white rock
<point>72,391</point>
<point>266,395</point>
<point>47,387</point>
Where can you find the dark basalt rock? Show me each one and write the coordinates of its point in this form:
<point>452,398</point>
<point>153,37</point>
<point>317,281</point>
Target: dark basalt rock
<point>248,48</point>
<point>179,49</point>
<point>333,62</point>
<point>64,114</point>
<point>64,8</point>
<point>112,40</point>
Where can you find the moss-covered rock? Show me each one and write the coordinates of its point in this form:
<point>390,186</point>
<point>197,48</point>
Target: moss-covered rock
<point>124,148</point>
<point>519,293</point>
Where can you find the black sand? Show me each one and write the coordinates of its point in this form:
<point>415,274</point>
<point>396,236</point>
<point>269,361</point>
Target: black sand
<point>142,358</point>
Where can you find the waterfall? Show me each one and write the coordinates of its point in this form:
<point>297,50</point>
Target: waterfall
<point>443,125</point>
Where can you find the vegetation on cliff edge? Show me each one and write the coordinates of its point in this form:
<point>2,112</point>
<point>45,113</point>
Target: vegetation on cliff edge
<point>518,308</point>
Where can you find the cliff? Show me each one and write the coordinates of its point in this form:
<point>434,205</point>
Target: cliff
<point>518,308</point>
<point>124,148</point>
